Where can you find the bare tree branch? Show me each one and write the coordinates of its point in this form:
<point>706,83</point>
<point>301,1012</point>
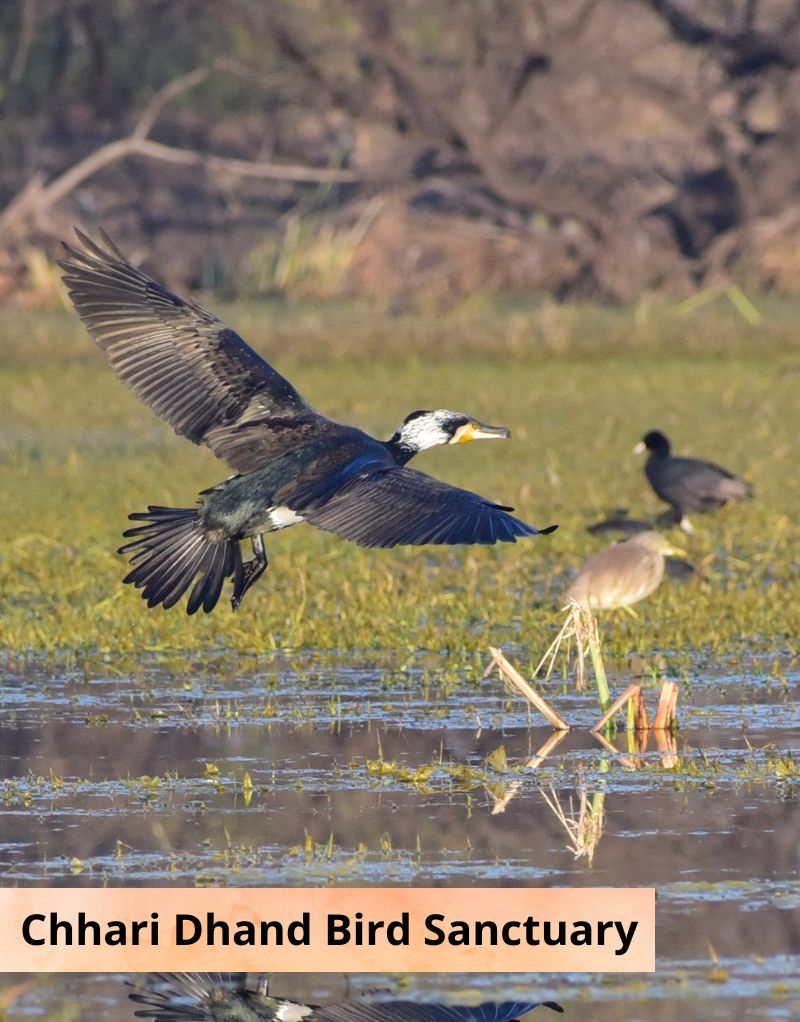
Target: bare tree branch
<point>148,117</point>
<point>37,197</point>
<point>617,142</point>
<point>431,114</point>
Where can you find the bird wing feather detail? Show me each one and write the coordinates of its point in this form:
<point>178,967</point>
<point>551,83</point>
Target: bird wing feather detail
<point>227,998</point>
<point>186,997</point>
<point>403,507</point>
<point>184,363</point>
<point>416,1011</point>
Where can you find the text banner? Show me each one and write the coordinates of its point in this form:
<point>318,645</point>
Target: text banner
<point>331,930</point>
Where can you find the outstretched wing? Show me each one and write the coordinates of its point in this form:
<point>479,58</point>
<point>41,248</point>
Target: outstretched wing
<point>403,507</point>
<point>193,371</point>
<point>413,1011</point>
<point>212,997</point>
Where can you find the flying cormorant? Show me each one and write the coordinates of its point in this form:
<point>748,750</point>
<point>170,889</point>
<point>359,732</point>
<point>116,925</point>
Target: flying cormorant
<point>292,464</point>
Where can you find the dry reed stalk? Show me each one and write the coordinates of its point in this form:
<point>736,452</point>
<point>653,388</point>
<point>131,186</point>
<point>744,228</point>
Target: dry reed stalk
<point>641,721</point>
<point>552,652</point>
<point>583,626</point>
<point>666,719</point>
<point>580,652</point>
<point>545,750</point>
<point>499,802</point>
<point>580,624</point>
<point>631,764</point>
<point>514,679</point>
<point>632,693</point>
<point>668,748</point>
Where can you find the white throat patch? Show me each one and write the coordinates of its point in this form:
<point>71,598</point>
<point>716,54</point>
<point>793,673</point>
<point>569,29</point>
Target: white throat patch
<point>426,430</point>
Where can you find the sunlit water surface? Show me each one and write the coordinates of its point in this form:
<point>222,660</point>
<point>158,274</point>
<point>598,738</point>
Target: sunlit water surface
<point>313,771</point>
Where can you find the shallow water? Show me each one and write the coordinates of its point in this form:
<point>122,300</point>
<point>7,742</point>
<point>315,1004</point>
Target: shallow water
<point>317,770</point>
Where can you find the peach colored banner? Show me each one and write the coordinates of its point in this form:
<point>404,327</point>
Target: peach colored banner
<point>331,930</point>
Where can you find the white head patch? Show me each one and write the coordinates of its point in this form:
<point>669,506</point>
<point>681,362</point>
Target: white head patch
<point>430,429</point>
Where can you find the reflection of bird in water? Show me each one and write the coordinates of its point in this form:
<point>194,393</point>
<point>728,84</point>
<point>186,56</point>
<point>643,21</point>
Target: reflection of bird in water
<point>221,997</point>
<point>293,465</point>
<point>226,997</point>
<point>622,574</point>
<point>688,484</point>
<point>620,526</point>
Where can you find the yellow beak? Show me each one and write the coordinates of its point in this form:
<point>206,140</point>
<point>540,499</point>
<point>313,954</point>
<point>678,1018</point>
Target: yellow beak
<point>477,431</point>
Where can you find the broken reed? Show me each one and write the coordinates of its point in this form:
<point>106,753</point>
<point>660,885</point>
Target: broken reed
<point>514,680</point>
<point>587,637</point>
<point>581,624</point>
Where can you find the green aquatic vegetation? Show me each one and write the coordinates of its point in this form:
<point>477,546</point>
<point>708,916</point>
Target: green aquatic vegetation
<point>39,791</point>
<point>78,452</point>
<point>498,760</point>
<point>443,776</point>
<point>771,763</point>
<point>430,777</point>
<point>697,770</point>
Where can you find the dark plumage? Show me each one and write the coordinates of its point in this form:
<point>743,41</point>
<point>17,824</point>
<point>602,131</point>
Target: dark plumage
<point>205,997</point>
<point>213,997</point>
<point>292,463</point>
<point>688,484</point>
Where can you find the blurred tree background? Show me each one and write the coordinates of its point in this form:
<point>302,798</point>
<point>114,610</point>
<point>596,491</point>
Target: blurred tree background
<point>585,148</point>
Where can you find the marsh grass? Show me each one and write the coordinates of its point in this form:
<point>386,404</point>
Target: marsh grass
<point>311,258</point>
<point>78,452</point>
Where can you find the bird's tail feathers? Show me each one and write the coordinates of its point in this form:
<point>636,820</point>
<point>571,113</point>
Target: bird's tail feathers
<point>737,489</point>
<point>171,550</point>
